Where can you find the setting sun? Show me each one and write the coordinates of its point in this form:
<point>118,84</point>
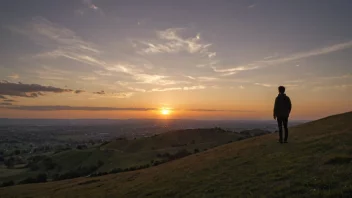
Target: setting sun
<point>165,111</point>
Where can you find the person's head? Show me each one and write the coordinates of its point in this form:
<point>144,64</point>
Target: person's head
<point>281,89</point>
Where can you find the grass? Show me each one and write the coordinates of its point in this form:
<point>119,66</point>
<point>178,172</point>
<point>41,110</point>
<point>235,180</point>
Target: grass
<point>129,153</point>
<point>315,163</point>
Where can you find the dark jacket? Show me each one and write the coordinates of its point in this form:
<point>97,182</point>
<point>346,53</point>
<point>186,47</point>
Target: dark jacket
<point>283,106</point>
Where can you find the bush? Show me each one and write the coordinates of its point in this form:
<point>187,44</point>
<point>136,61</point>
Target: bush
<point>8,183</point>
<point>28,181</point>
<point>196,150</point>
<point>41,178</point>
<point>10,162</point>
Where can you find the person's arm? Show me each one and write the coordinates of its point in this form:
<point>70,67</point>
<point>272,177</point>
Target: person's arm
<point>275,108</point>
<point>289,105</point>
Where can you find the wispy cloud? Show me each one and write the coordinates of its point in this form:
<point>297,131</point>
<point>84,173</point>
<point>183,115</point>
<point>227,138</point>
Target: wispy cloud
<point>197,87</point>
<point>88,78</point>
<point>234,70</point>
<point>50,73</point>
<point>103,73</point>
<point>61,41</point>
<point>293,57</point>
<point>252,6</point>
<point>14,76</point>
<point>141,77</point>
<point>9,100</point>
<point>265,84</point>
<point>6,103</point>
<point>89,6</point>
<point>166,89</point>
<point>171,41</point>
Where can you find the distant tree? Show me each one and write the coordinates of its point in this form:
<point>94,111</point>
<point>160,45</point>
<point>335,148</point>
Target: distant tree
<point>10,162</point>
<point>41,178</point>
<point>100,163</point>
<point>81,147</point>
<point>17,152</point>
<point>8,183</point>
<point>28,181</point>
<point>2,159</point>
<point>48,163</point>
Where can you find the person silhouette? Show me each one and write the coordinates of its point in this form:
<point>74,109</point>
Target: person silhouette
<point>282,110</point>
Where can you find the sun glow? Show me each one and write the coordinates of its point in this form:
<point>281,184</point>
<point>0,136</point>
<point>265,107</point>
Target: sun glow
<point>165,111</point>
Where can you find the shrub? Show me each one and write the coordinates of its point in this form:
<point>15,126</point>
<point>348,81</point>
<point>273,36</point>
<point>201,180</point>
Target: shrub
<point>8,183</point>
<point>41,178</point>
<point>10,162</point>
<point>28,181</point>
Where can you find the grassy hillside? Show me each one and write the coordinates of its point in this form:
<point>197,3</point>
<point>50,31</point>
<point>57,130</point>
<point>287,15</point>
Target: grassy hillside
<point>317,162</point>
<point>124,153</point>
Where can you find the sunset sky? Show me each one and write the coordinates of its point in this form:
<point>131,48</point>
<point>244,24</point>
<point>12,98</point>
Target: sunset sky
<point>199,59</point>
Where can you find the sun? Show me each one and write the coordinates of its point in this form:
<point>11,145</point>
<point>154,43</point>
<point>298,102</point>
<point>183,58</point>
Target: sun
<point>165,111</point>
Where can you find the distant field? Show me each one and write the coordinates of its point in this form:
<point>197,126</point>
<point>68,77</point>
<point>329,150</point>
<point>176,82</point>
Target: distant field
<point>317,162</point>
<point>125,153</point>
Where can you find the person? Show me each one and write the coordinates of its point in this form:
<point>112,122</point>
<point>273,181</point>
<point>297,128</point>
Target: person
<point>282,110</point>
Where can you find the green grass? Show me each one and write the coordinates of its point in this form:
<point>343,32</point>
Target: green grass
<point>129,153</point>
<point>315,163</point>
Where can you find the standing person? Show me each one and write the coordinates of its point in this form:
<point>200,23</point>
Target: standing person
<point>282,110</point>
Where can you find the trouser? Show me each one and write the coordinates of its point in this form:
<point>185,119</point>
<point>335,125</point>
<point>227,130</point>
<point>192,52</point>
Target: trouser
<point>282,121</point>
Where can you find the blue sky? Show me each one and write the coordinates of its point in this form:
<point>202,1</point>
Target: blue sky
<point>224,56</point>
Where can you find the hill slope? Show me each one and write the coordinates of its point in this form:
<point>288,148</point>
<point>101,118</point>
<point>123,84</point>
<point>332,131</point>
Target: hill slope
<point>122,154</point>
<point>316,163</point>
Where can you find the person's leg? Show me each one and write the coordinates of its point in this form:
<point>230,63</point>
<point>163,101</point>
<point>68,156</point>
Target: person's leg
<point>285,122</point>
<point>279,123</point>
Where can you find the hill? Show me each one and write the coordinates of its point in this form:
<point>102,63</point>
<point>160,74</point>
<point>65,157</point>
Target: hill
<point>315,163</point>
<point>122,154</point>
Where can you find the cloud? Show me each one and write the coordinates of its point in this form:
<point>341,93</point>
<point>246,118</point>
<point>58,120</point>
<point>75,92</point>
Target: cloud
<point>62,41</point>
<point>251,6</point>
<point>166,89</point>
<point>264,84</point>
<point>219,110</point>
<point>142,77</point>
<point>76,108</point>
<point>14,76</point>
<point>170,41</point>
<point>6,103</point>
<point>241,87</point>
<point>79,91</point>
<point>103,73</point>
<point>178,88</point>
<point>234,70</point>
<point>122,95</point>
<point>28,90</point>
<point>9,100</point>
<point>89,6</point>
<point>102,92</point>
<point>88,78</point>
<point>49,73</point>
<point>293,57</point>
